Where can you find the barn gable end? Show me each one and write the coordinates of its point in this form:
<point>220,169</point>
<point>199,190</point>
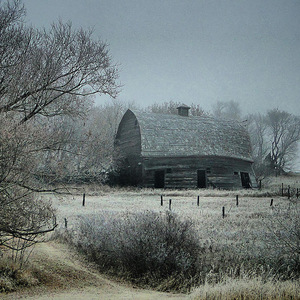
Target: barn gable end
<point>161,150</point>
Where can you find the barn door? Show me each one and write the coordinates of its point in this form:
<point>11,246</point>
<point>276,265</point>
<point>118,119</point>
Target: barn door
<point>201,175</point>
<point>159,179</point>
<point>246,183</point>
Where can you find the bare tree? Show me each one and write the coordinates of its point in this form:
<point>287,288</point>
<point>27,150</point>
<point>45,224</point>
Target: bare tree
<point>275,138</point>
<point>257,128</point>
<point>44,74</point>
<point>88,152</point>
<point>284,135</point>
<point>49,72</point>
<point>227,110</point>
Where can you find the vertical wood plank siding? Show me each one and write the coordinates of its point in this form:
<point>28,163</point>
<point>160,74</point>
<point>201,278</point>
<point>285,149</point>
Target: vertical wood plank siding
<point>182,171</point>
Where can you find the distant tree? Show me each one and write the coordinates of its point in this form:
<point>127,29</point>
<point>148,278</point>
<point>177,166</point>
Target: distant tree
<point>44,74</point>
<point>284,135</point>
<point>257,128</point>
<point>227,110</point>
<point>274,138</point>
<point>88,153</point>
<point>171,108</point>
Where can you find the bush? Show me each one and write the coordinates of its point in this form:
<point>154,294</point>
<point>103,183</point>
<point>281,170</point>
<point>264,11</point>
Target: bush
<point>146,247</point>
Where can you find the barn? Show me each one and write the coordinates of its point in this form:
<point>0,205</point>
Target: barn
<point>183,151</point>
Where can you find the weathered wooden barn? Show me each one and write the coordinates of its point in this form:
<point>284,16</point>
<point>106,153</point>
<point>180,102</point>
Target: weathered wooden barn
<point>182,151</point>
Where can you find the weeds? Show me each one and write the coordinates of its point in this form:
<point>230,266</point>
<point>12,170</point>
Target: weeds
<point>12,276</point>
<point>163,250</point>
<point>148,247</point>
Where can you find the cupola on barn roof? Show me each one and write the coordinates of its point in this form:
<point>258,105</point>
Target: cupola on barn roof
<point>183,110</point>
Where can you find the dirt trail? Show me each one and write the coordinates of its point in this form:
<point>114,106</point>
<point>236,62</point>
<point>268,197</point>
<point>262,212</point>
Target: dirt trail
<point>68,276</point>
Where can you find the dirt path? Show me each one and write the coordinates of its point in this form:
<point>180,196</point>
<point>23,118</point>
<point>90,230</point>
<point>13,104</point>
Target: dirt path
<point>66,275</point>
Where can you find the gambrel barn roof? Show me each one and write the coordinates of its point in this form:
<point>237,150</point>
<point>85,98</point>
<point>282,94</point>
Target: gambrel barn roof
<point>167,135</point>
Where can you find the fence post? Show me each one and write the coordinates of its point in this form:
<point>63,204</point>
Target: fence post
<point>83,200</point>
<point>297,194</point>
<point>170,203</point>
<point>198,200</point>
<point>260,184</point>
<point>66,223</point>
<point>237,200</point>
<point>271,204</point>
<point>223,212</point>
<point>282,189</point>
<point>161,200</point>
<point>289,192</point>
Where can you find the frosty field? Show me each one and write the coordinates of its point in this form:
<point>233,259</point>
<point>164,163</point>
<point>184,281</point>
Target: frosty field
<point>242,223</point>
<point>240,248</point>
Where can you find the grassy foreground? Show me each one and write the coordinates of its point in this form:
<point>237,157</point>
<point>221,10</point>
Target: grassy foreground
<point>250,253</point>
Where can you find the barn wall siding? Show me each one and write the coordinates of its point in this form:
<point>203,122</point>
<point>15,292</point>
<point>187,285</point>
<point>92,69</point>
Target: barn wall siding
<point>182,171</point>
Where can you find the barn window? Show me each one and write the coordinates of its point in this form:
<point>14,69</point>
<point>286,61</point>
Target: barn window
<point>208,171</point>
<point>236,173</point>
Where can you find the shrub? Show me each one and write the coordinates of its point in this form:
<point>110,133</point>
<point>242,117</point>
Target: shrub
<point>146,247</point>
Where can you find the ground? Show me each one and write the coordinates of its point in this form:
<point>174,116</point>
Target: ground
<point>69,276</point>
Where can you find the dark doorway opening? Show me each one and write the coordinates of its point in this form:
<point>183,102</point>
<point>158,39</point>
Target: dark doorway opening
<point>246,183</point>
<point>159,179</point>
<point>201,175</point>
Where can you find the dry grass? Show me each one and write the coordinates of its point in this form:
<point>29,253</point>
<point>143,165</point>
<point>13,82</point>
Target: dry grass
<point>249,289</point>
<point>12,276</point>
<point>241,233</point>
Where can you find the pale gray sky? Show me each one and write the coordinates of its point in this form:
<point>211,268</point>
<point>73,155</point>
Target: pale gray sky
<point>194,50</point>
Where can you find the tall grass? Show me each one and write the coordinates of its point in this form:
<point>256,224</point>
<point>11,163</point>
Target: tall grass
<point>249,244</point>
<point>13,276</point>
<point>164,251</point>
<point>248,289</point>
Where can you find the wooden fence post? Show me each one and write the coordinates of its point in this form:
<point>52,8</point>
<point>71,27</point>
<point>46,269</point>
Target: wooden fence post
<point>66,223</point>
<point>271,204</point>
<point>83,200</point>
<point>198,200</point>
<point>161,200</point>
<point>289,192</point>
<point>223,212</point>
<point>297,194</point>
<point>237,200</point>
<point>170,203</point>
<point>260,184</point>
<point>282,189</point>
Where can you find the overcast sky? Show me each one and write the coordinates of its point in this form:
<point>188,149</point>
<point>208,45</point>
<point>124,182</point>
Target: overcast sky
<point>194,51</point>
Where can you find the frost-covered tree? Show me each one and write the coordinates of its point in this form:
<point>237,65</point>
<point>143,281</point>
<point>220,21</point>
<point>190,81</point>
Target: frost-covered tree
<point>275,137</point>
<point>227,110</point>
<point>284,135</point>
<point>44,74</point>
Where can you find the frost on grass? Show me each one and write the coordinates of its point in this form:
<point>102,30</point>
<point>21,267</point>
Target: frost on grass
<point>149,245</point>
